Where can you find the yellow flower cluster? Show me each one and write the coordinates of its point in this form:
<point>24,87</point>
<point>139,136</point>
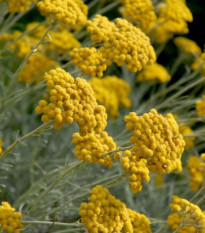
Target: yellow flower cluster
<point>1,146</point>
<point>187,46</point>
<point>89,60</point>
<point>200,106</point>
<point>92,146</point>
<point>35,67</point>
<point>141,11</point>
<point>69,12</point>
<point>186,130</point>
<point>137,169</point>
<point>187,213</point>
<point>159,180</point>
<point>22,46</point>
<point>123,43</point>
<point>199,62</point>
<point>106,214</point>
<point>19,6</point>
<point>71,100</point>
<point>9,219</point>
<point>60,40</point>
<point>173,18</point>
<point>154,72</point>
<point>157,139</point>
<point>112,92</point>
<point>196,168</point>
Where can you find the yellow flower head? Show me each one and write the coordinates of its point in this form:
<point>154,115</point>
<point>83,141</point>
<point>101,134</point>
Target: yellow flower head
<point>140,12</point>
<point>104,213</point>
<point>19,6</point>
<point>187,46</point>
<point>112,92</point>
<point>35,67</point>
<point>200,106</point>
<point>138,170</point>
<point>123,43</point>
<point>71,100</point>
<point>92,146</point>
<point>69,12</point>
<point>89,60</point>
<point>61,40</point>
<point>196,168</point>
<point>186,130</point>
<point>154,72</point>
<point>157,139</point>
<point>10,219</point>
<point>199,62</point>
<point>188,213</point>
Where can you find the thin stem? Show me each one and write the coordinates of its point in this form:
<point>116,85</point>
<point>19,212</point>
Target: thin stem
<point>108,7</point>
<point>118,149</point>
<point>32,133</point>
<point>77,224</point>
<point>197,194</point>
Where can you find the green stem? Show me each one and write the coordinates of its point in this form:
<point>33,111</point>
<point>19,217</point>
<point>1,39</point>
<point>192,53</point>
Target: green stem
<point>108,8</point>
<point>32,133</point>
<point>176,64</point>
<point>117,150</point>
<point>53,223</point>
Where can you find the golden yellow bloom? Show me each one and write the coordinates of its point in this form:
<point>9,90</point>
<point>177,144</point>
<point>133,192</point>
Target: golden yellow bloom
<point>196,168</point>
<point>112,92</point>
<point>92,146</point>
<point>71,100</point>
<point>154,72</point>
<point>89,60</point>
<point>159,180</point>
<point>10,219</point>
<point>22,46</point>
<point>61,40</point>
<point>186,130</point>
<point>0,146</point>
<point>19,6</point>
<point>187,46</point>
<point>140,12</point>
<point>69,12</point>
<point>123,43</point>
<point>200,106</point>
<point>157,139</point>
<point>186,212</point>
<point>138,171</point>
<point>173,18</point>
<point>199,62</point>
<point>106,214</point>
<point>35,68</point>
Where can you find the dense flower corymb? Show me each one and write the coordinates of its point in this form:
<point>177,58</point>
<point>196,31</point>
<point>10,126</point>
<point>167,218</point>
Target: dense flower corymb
<point>106,214</point>
<point>69,12</point>
<point>157,139</point>
<point>10,219</point>
<point>154,72</point>
<point>139,12</point>
<point>187,213</point>
<point>18,6</point>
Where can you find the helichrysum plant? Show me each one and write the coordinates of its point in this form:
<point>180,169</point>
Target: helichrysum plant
<point>98,132</point>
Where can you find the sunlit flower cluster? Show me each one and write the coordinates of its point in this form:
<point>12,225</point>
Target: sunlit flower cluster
<point>154,72</point>
<point>138,170</point>
<point>199,63</point>
<point>157,139</point>
<point>187,46</point>
<point>140,12</point>
<point>92,146</point>
<point>60,40</point>
<point>104,213</point>
<point>69,12</point>
<point>200,106</point>
<point>10,219</point>
<point>89,60</point>
<point>71,100</point>
<point>187,214</point>
<point>189,140</point>
<point>18,6</point>
<point>196,168</point>
<point>112,92</point>
<point>35,68</point>
<point>173,18</point>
